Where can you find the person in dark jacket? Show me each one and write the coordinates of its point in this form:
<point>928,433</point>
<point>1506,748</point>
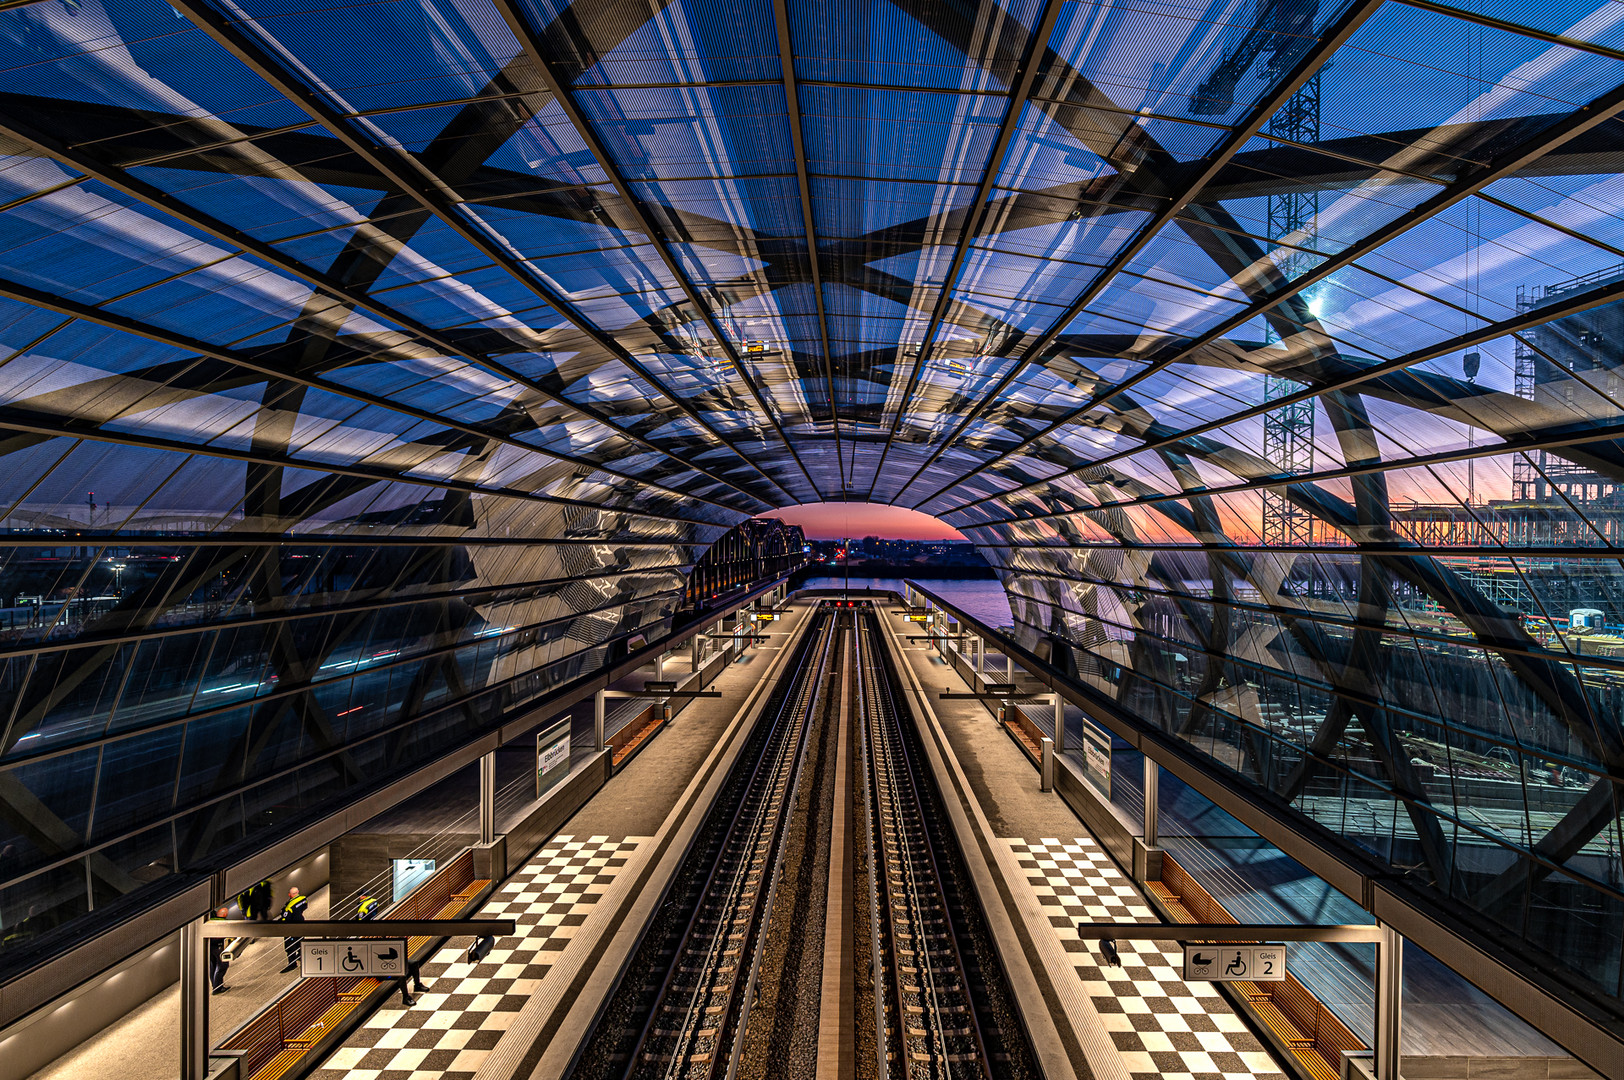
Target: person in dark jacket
<point>255,901</point>
<point>293,911</point>
<point>413,976</point>
<point>218,964</point>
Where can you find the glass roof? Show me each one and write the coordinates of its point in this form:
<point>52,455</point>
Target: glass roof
<point>1327,281</point>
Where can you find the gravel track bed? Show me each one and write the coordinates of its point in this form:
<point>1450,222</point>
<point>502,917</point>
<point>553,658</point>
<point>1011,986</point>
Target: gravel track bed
<point>1008,1052</point>
<point>607,1053</point>
<point>781,1040</point>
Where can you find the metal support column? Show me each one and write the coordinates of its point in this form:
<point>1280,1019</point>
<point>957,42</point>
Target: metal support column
<point>487,798</point>
<point>1046,766</point>
<point>597,720</point>
<point>1389,1003</point>
<point>1059,725</point>
<point>698,651</point>
<point>659,667</point>
<point>1153,773</point>
<point>194,1002</point>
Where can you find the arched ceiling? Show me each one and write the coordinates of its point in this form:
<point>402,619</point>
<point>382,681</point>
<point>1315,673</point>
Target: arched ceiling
<point>1236,333</point>
<point>943,255</point>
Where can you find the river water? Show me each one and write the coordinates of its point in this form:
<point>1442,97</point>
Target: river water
<point>984,599</point>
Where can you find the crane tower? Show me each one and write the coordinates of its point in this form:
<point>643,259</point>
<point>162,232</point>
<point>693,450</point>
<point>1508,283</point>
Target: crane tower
<point>1283,28</point>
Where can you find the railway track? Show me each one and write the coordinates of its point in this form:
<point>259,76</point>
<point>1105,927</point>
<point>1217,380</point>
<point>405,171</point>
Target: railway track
<point>735,927</point>
<point>683,1003</point>
<point>941,1008</point>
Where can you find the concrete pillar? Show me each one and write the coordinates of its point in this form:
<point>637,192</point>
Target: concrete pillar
<point>698,646</point>
<point>487,798</point>
<point>1059,725</point>
<point>1046,766</point>
<point>194,1002</point>
<point>1389,1003</point>
<point>597,720</point>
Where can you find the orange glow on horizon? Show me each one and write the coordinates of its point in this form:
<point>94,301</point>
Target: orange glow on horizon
<point>834,521</point>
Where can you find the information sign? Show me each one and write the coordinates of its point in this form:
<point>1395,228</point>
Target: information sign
<point>1097,756</point>
<point>381,958</point>
<point>552,756</point>
<point>1235,963</point>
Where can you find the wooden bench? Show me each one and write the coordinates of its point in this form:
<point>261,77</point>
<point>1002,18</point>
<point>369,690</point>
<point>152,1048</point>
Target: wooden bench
<point>296,1047</point>
<point>359,991</point>
<point>645,731</point>
<point>279,1065</point>
<point>1026,734</point>
<point>1319,1057</point>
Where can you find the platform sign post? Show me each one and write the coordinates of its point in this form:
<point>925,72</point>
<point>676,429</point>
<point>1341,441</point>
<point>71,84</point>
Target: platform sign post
<point>1235,963</point>
<point>553,753</point>
<point>194,1002</point>
<point>383,958</point>
<point>1389,1002</point>
<point>487,798</point>
<point>1153,802</point>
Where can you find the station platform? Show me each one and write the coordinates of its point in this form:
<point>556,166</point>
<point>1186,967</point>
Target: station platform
<point>1158,1024</point>
<point>465,1008</point>
<point>1137,1020</point>
<point>576,902</point>
<point>582,899</point>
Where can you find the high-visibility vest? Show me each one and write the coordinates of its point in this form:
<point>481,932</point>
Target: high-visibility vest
<point>294,909</point>
<point>368,906</point>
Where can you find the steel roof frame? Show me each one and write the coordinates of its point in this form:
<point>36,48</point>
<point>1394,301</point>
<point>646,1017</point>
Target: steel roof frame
<point>1599,111</point>
<point>563,98</point>
<point>1037,47</point>
<point>1329,41</point>
<point>427,191</point>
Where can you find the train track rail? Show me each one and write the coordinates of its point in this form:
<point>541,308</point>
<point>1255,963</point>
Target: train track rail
<point>931,1026</point>
<point>688,998</point>
<point>933,1001</point>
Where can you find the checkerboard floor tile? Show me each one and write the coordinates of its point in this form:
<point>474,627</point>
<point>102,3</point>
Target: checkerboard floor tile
<point>1163,1026</point>
<point>465,1007</point>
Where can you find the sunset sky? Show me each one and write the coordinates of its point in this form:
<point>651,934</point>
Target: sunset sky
<point>832,521</point>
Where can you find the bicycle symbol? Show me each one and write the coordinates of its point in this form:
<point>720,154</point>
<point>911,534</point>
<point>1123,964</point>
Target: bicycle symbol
<point>351,962</point>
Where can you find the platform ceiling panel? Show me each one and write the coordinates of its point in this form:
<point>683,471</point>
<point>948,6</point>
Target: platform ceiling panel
<point>1270,349</point>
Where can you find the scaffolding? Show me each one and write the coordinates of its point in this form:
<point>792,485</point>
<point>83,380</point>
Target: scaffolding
<point>1288,432</point>
<point>1525,474</point>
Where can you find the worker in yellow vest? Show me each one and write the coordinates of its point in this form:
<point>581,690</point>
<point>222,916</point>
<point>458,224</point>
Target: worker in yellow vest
<point>293,911</point>
<point>218,964</point>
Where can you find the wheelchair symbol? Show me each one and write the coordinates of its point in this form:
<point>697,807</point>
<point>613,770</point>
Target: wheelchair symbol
<point>1237,964</point>
<point>351,962</point>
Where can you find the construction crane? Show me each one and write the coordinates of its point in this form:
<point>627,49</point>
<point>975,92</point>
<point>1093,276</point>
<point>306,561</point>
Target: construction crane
<point>1282,29</point>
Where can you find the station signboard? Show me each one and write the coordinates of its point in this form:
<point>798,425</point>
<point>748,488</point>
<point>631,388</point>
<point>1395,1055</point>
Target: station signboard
<point>384,958</point>
<point>552,756</point>
<point>1097,756</point>
<point>1235,963</point>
